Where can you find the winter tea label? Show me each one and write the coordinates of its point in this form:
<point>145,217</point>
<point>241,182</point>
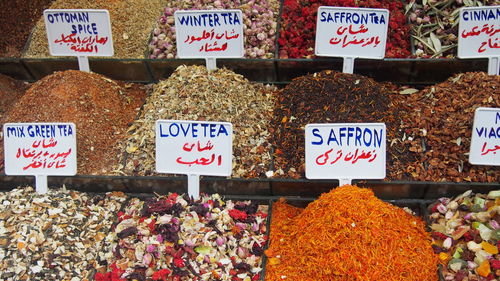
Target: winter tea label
<point>79,32</point>
<point>40,149</point>
<point>345,151</point>
<point>194,147</point>
<point>209,34</point>
<point>485,142</point>
<point>351,32</point>
<point>479,32</point>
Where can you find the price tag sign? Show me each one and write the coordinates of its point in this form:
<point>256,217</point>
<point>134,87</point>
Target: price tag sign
<point>479,32</point>
<point>79,32</point>
<point>40,149</point>
<point>209,34</point>
<point>351,32</point>
<point>485,142</point>
<point>345,151</point>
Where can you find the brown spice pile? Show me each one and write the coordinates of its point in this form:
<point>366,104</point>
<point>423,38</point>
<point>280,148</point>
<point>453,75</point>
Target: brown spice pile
<point>101,109</point>
<point>326,97</point>
<point>191,93</point>
<point>348,234</point>
<point>131,21</point>
<point>437,128</point>
<point>17,19</point>
<point>10,91</point>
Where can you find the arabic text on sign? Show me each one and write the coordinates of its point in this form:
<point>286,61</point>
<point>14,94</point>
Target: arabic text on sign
<point>43,131</point>
<point>201,160</point>
<point>352,17</point>
<point>210,19</point>
<point>329,157</point>
<point>349,136</point>
<point>192,130</point>
<point>485,150</point>
<point>42,158</point>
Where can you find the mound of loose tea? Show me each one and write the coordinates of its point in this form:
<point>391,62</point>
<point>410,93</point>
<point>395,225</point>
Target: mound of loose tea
<point>437,127</point>
<point>348,234</point>
<point>192,93</point>
<point>101,109</point>
<point>10,91</point>
<point>466,233</point>
<point>131,24</point>
<point>54,236</point>
<point>176,238</point>
<point>326,97</point>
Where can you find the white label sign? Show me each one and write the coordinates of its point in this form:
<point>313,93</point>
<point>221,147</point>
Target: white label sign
<point>485,142</point>
<point>351,32</point>
<point>79,32</point>
<point>209,34</point>
<point>479,32</point>
<point>194,147</point>
<point>40,149</point>
<point>345,151</point>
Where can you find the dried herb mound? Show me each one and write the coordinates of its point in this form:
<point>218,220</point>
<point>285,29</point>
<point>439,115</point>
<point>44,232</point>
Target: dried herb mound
<point>192,93</point>
<point>101,109</point>
<point>325,97</point>
<point>437,127</point>
<point>348,234</point>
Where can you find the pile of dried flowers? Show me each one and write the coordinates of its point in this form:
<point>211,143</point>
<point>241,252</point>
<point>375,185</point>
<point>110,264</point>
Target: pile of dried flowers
<point>466,233</point>
<point>348,234</point>
<point>177,238</point>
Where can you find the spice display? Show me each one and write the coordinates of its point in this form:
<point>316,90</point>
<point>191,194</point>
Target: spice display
<point>259,18</point>
<point>437,125</point>
<point>131,24</point>
<point>17,19</point>
<point>10,91</point>
<point>101,109</point>
<point>435,25</point>
<point>466,234</point>
<point>55,236</point>
<point>326,97</point>
<point>298,26</point>
<point>348,234</point>
<point>192,93</point>
<point>177,238</point>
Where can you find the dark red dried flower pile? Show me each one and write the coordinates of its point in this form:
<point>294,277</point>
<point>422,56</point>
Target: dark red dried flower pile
<point>298,26</point>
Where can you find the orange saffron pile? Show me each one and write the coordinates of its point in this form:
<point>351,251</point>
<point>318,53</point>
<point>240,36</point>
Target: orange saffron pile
<point>348,234</point>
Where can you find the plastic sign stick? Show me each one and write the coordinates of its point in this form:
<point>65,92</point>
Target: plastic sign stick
<point>479,35</point>
<point>345,151</point>
<point>80,33</point>
<point>485,141</point>
<point>194,148</point>
<point>41,150</point>
<point>209,34</point>
<point>351,33</point>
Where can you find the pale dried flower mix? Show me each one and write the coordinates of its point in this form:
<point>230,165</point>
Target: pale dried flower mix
<point>193,93</point>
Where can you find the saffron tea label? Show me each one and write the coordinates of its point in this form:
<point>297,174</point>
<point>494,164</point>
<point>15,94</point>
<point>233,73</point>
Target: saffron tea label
<point>345,151</point>
<point>194,147</point>
<point>40,149</point>
<point>479,32</point>
<point>209,34</point>
<point>485,142</point>
<point>79,32</point>
<point>351,32</point>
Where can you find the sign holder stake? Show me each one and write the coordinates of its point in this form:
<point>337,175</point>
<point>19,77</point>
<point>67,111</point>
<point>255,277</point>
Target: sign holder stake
<point>211,64</point>
<point>343,182</point>
<point>493,65</point>
<point>348,66</point>
<point>194,186</point>
<point>41,184</point>
<point>83,63</point>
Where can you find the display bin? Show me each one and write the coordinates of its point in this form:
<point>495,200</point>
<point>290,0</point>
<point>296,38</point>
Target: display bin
<point>15,68</point>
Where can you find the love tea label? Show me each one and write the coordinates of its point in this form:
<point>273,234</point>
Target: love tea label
<point>209,34</point>
<point>351,32</point>
<point>345,151</point>
<point>40,149</point>
<point>485,142</point>
<point>479,32</point>
<point>194,147</point>
<point>79,32</point>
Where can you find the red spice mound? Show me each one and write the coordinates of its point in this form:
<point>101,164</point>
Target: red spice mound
<point>298,26</point>
<point>348,234</point>
<point>101,109</point>
<point>10,91</point>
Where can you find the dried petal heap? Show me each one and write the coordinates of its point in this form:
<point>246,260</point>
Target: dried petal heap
<point>176,238</point>
<point>56,236</point>
<point>348,234</point>
<point>466,234</point>
<point>192,93</point>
